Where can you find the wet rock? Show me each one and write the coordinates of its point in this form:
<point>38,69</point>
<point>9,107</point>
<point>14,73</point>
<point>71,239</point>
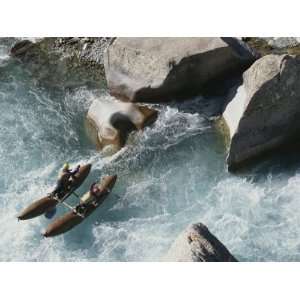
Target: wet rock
<point>109,122</point>
<point>265,112</point>
<point>64,61</point>
<point>283,42</point>
<point>198,244</point>
<point>160,69</point>
<point>20,48</point>
<point>88,50</point>
<point>274,45</point>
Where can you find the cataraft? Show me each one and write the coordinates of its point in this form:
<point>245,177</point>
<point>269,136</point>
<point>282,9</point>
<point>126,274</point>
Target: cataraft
<point>89,202</point>
<point>49,202</point>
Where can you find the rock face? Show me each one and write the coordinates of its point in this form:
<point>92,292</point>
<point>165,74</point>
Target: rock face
<point>266,111</point>
<point>197,244</point>
<point>110,121</point>
<point>160,69</point>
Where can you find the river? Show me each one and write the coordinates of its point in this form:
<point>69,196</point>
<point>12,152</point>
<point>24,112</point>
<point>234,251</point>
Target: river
<point>169,176</point>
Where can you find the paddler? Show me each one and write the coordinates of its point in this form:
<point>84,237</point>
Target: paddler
<point>92,194</point>
<point>89,198</point>
<point>65,178</point>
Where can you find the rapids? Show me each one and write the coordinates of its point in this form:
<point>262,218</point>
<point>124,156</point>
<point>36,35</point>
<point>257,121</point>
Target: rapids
<point>170,175</point>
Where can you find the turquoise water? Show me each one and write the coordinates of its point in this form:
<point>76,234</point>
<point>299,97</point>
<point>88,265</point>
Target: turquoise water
<point>169,176</point>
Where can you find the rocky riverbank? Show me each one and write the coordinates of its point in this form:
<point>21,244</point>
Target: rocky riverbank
<point>281,45</point>
<point>63,60</point>
<point>158,70</point>
<point>164,69</point>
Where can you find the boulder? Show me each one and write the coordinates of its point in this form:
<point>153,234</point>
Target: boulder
<point>198,244</point>
<point>161,69</point>
<point>110,121</point>
<point>20,48</point>
<point>265,113</point>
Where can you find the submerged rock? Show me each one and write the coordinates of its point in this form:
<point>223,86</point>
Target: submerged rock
<point>109,122</point>
<point>265,112</point>
<point>198,244</point>
<point>161,69</point>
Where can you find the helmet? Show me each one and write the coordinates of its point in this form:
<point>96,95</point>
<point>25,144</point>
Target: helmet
<point>66,166</point>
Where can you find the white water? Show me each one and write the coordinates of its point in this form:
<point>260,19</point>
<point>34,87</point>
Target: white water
<point>170,175</point>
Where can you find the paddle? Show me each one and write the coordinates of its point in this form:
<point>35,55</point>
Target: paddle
<point>72,209</point>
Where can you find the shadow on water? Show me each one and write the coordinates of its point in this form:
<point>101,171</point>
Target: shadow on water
<point>213,105</point>
<point>281,162</point>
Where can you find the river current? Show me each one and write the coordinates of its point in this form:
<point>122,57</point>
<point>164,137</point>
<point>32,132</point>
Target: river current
<point>170,175</point>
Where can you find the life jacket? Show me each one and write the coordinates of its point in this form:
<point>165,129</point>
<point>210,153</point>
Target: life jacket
<point>64,177</point>
<point>87,198</point>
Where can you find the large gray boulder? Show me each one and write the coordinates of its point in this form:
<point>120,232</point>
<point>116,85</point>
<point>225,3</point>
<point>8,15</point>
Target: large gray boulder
<point>265,112</point>
<point>161,69</point>
<point>109,122</point>
<point>198,244</point>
